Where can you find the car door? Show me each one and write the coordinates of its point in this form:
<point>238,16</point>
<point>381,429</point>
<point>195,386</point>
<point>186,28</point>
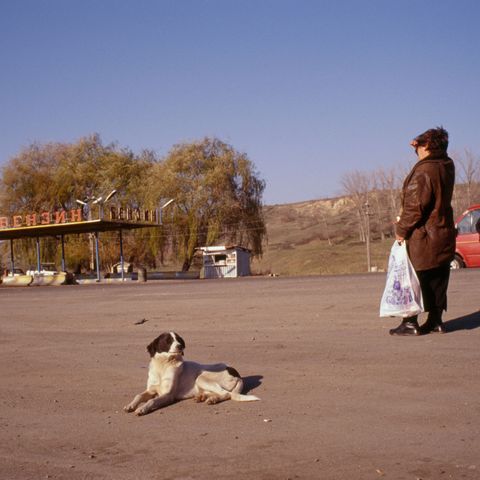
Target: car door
<point>468,239</point>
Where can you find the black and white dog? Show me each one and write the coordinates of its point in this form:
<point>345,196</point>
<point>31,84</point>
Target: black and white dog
<point>170,379</point>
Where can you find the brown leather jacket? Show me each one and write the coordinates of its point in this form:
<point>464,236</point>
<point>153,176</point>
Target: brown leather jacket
<point>426,220</point>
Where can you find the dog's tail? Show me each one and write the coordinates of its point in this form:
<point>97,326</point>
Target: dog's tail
<point>239,397</point>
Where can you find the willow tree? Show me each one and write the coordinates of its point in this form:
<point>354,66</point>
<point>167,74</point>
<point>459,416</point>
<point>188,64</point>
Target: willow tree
<point>218,197</point>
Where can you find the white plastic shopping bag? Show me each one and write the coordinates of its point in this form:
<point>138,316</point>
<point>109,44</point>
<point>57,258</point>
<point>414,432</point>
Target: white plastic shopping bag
<point>402,296</point>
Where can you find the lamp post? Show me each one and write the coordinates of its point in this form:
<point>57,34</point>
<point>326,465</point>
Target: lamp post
<point>87,208</point>
<point>100,201</point>
<point>87,203</point>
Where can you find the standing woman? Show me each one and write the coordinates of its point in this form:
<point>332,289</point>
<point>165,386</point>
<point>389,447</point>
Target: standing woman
<point>426,224</point>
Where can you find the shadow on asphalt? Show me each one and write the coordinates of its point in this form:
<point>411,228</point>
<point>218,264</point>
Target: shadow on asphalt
<point>467,322</point>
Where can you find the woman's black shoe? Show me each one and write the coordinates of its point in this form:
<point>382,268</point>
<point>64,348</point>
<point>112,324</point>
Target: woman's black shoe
<point>434,322</point>
<point>407,327</point>
<point>429,327</point>
<point>440,328</point>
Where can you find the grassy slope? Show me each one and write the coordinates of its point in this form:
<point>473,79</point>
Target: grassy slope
<point>298,241</point>
<point>319,258</point>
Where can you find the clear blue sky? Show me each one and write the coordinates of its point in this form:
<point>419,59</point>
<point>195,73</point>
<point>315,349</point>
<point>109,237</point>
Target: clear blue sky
<point>308,89</point>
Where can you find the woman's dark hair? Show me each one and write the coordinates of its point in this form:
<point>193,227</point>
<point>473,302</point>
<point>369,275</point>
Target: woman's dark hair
<point>433,139</point>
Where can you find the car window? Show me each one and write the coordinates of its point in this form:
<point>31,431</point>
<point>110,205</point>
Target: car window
<point>468,222</point>
<point>465,225</point>
<point>475,220</point>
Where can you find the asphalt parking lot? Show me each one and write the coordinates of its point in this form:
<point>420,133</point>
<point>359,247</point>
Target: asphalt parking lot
<point>340,398</point>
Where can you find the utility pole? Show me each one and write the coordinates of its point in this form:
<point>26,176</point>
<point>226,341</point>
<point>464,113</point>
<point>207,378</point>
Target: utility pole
<point>367,240</point>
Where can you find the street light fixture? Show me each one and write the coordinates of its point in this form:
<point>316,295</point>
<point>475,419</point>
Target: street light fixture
<point>102,202</point>
<point>96,201</point>
<point>110,195</point>
<point>166,204</point>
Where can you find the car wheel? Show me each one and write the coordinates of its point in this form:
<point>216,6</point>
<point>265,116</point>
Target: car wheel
<point>457,263</point>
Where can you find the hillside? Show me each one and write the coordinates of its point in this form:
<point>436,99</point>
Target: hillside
<point>316,237</point>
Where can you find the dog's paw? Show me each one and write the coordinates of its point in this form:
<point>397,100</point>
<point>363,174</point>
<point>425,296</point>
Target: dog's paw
<point>141,411</point>
<point>212,400</point>
<point>128,408</point>
<point>201,397</point>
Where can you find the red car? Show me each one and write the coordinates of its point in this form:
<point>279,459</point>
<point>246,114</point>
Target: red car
<point>467,253</point>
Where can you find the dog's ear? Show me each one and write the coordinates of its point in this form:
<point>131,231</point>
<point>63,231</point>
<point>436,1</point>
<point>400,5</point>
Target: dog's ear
<point>180,340</point>
<point>233,372</point>
<point>152,347</point>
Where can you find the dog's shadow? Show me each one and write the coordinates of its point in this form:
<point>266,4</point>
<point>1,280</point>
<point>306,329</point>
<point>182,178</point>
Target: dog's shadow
<point>467,322</point>
<point>251,382</point>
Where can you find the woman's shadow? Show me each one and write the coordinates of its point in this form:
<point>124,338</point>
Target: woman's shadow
<point>467,322</point>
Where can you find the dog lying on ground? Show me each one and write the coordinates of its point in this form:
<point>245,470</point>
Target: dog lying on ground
<point>170,379</point>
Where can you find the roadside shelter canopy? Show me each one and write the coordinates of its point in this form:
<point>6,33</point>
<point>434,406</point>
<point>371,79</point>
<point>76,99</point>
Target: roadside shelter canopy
<point>68,228</point>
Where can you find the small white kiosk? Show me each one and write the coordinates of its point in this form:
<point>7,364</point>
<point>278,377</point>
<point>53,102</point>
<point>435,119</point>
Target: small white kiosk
<point>226,261</point>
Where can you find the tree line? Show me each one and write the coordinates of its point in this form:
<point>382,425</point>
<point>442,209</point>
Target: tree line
<point>217,196</point>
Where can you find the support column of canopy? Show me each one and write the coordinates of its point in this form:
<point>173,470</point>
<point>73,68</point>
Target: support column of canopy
<point>97,256</point>
<point>63,252</point>
<point>39,263</point>
<point>121,255</point>
<point>12,257</point>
